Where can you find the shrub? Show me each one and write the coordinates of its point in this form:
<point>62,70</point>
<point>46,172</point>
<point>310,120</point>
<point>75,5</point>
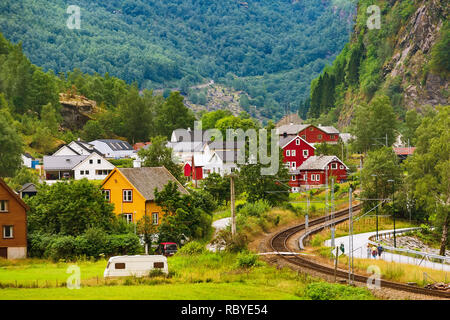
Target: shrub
<point>329,291</point>
<point>192,248</point>
<point>255,209</point>
<point>247,260</point>
<point>62,248</point>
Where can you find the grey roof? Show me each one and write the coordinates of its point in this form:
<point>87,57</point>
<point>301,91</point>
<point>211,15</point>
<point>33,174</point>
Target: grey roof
<point>146,179</point>
<point>346,137</point>
<point>88,147</point>
<point>285,140</point>
<point>28,187</point>
<point>117,145</point>
<point>27,155</point>
<point>62,162</point>
<point>291,129</point>
<point>317,162</point>
<point>226,145</point>
<point>328,129</point>
<point>187,135</point>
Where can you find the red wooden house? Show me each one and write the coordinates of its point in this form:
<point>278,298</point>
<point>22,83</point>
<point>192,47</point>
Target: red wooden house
<point>314,172</point>
<point>295,151</point>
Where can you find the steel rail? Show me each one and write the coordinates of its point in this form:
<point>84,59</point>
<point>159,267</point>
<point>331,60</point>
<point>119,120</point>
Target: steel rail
<point>279,244</point>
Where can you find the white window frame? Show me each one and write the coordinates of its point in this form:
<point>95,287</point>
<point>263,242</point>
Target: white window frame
<point>297,141</point>
<point>288,164</point>
<point>288,153</point>
<point>128,217</point>
<point>305,177</point>
<point>293,153</point>
<point>5,206</point>
<point>317,177</point>
<point>91,161</point>
<point>86,172</point>
<point>127,195</point>
<point>81,172</point>
<point>99,161</point>
<point>155,222</point>
<point>305,153</point>
<point>294,164</point>
<point>335,165</point>
<point>313,177</point>
<point>294,178</point>
<point>11,236</point>
<point>341,166</point>
<point>107,195</point>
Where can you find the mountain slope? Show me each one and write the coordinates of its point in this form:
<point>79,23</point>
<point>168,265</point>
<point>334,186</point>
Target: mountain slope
<point>276,47</point>
<point>407,59</point>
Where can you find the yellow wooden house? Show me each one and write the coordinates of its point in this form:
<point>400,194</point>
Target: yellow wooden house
<point>131,190</point>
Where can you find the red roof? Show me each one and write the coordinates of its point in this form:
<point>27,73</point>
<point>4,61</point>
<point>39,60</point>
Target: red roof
<point>404,151</point>
<point>140,145</point>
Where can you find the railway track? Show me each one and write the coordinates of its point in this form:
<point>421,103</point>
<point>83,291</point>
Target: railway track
<point>279,244</point>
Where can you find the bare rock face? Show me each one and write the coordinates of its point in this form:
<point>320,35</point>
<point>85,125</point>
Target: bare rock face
<point>76,110</point>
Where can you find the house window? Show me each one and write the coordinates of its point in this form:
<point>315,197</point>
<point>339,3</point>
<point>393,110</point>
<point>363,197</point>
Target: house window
<point>288,153</point>
<point>317,177</point>
<point>155,218</point>
<point>342,167</point>
<point>158,265</point>
<point>311,129</point>
<point>288,164</point>
<point>293,178</point>
<point>293,163</point>
<point>87,172</point>
<point>297,142</point>
<point>107,194</point>
<point>128,217</point>
<point>8,232</point>
<point>305,153</point>
<point>319,136</point>
<point>334,166</point>
<point>332,136</point>
<point>304,137</point>
<point>233,169</point>
<point>99,161</point>
<point>313,177</point>
<point>3,205</point>
<point>305,177</point>
<point>127,195</point>
<point>81,172</point>
<point>91,161</point>
<point>293,153</point>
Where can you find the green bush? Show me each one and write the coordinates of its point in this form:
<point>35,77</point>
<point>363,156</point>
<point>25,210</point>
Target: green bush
<point>255,209</point>
<point>247,260</point>
<point>192,248</point>
<point>329,291</point>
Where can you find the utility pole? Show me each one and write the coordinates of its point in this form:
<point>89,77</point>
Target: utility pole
<point>393,209</point>
<point>376,197</point>
<point>332,212</point>
<point>233,215</point>
<point>350,238</point>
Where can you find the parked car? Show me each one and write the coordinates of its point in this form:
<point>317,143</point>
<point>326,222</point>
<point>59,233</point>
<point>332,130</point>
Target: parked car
<point>167,248</point>
<point>137,266</point>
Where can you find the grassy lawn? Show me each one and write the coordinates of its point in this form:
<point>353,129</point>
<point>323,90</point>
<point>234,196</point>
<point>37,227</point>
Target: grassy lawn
<point>201,276</point>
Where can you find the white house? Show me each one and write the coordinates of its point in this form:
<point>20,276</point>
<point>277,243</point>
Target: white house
<point>113,148</point>
<point>27,160</point>
<point>93,167</point>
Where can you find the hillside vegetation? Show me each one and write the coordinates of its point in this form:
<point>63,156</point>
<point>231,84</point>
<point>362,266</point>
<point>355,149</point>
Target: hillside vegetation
<point>270,49</point>
<point>406,59</point>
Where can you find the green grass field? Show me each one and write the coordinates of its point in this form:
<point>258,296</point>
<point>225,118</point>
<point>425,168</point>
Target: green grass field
<point>202,276</point>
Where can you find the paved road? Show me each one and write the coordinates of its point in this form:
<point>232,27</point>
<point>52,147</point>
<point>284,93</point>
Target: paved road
<point>218,225</point>
<point>360,251</point>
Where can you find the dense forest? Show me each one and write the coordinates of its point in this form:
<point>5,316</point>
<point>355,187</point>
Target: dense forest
<point>406,59</point>
<point>270,49</point>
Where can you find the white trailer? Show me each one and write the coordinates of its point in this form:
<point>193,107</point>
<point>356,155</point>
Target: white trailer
<point>137,266</point>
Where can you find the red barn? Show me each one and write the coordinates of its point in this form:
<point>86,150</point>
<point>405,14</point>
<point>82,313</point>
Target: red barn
<point>315,170</point>
<point>320,134</point>
<point>196,175</point>
<point>310,133</point>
